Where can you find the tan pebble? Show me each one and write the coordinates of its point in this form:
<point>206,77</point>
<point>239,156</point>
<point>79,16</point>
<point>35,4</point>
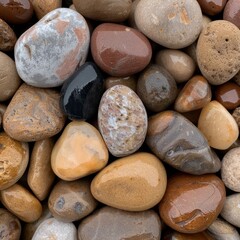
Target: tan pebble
<point>130,82</point>
<point>80,151</point>
<point>21,203</point>
<point>134,183</point>
<point>218,126</point>
<point>40,174</point>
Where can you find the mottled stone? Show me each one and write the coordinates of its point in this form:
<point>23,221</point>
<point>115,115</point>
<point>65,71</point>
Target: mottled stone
<point>172,24</point>
<point>134,183</point>
<point>187,150</point>
<point>33,114</point>
<point>156,88</point>
<point>40,174</point>
<point>130,82</point>
<point>123,225</point>
<point>195,95</point>
<point>71,201</point>
<point>21,203</point>
<point>180,65</point>
<point>192,203</point>
<point>49,65</point>
<point>218,51</point>
<point>122,120</point>
<point>183,236</point>
<point>80,151</point>
<point>231,12</point>
<point>120,51</point>
<point>212,7</point>
<point>218,126</point>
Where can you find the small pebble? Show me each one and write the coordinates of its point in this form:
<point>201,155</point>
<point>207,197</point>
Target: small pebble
<point>130,82</point>
<point>212,7</point>
<point>231,12</point>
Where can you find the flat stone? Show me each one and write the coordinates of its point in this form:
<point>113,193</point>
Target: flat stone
<point>33,114</point>
<point>134,183</point>
<point>212,7</point>
<point>231,12</point>
<point>71,201</point>
<point>218,126</point>
<point>69,161</point>
<point>122,122</point>
<point>187,151</point>
<point>49,65</point>
<point>192,203</point>
<point>124,225</point>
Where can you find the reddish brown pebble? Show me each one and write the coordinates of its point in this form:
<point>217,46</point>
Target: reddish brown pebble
<point>192,203</point>
<point>212,7</point>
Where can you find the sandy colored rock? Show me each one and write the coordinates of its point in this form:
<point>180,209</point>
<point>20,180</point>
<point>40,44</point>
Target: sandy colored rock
<point>40,174</point>
<point>21,203</point>
<point>218,126</point>
<point>119,186</point>
<point>33,114</point>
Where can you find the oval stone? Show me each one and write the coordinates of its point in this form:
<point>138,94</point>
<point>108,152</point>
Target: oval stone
<point>119,50</point>
<point>124,225</point>
<point>134,183</point>
<point>192,203</point>
<point>218,126</point>
<point>33,114</point>
<point>80,151</point>
<point>46,55</point>
<point>231,12</point>
<point>187,151</point>
<point>212,7</point>
<point>122,120</point>
<point>218,51</point>
<point>172,24</point>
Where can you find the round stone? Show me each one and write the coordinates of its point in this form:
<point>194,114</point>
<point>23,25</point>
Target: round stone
<point>130,82</point>
<point>71,201</point>
<point>54,229</point>
<point>183,236</point>
<point>192,203</point>
<point>218,51</point>
<point>180,65</point>
<point>120,51</point>
<point>48,65</point>
<point>124,225</point>
<point>134,183</point>
<point>122,120</point>
<point>156,88</point>
<point>218,126</point>
<point>232,12</point>
<point>172,24</point>
<point>212,7</point>
<point>80,151</point>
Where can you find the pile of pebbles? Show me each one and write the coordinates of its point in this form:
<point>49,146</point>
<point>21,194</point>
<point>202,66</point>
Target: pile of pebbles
<point>119,119</point>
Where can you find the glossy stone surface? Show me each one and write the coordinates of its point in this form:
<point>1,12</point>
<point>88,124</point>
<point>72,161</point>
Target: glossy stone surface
<point>180,65</point>
<point>218,126</point>
<point>212,7</point>
<point>195,95</point>
<point>231,12</point>
<point>134,183</point>
<point>40,175</point>
<point>49,65</point>
<point>218,51</point>
<point>82,92</point>
<point>183,236</point>
<point>187,150</point>
<point>228,95</point>
<point>14,158</point>
<point>172,24</point>
<point>119,50</point>
<point>78,152</point>
<point>122,120</point>
<point>156,88</point>
<point>33,114</point>
<point>9,225</point>
<point>16,11</point>
<point>192,203</point>
<point>124,225</point>
<point>130,82</point>
<point>21,203</point>
<point>71,201</point>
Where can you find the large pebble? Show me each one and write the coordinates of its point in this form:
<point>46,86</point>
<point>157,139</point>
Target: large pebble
<point>218,126</point>
<point>33,114</point>
<point>80,151</point>
<point>122,120</point>
<point>172,24</point>
<point>176,141</point>
<point>49,52</point>
<point>218,51</point>
<point>118,225</point>
<point>192,203</point>
<point>134,183</point>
